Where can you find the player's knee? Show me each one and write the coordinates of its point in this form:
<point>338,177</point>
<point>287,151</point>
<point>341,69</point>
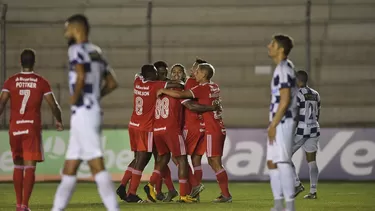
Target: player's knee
<point>18,161</point>
<point>29,163</point>
<point>196,160</point>
<point>71,167</point>
<point>96,165</point>
<point>215,163</point>
<point>142,160</point>
<point>271,165</point>
<point>310,156</point>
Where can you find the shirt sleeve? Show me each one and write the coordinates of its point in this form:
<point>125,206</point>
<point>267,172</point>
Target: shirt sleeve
<point>287,79</point>
<point>198,91</point>
<point>76,55</point>
<point>46,89</point>
<point>6,86</point>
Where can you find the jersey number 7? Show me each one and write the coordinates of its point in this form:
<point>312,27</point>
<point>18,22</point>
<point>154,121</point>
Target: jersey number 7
<point>26,95</point>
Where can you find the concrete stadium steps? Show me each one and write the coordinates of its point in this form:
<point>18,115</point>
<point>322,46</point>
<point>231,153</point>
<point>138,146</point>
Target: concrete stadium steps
<point>345,74</point>
<point>219,56</point>
<point>51,35</point>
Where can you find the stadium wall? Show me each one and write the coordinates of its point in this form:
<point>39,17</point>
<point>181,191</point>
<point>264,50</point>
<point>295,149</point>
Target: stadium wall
<point>344,154</point>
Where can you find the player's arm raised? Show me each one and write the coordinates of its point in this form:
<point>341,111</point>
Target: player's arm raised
<point>4,97</point>
<point>55,108</point>
<point>283,106</point>
<point>80,83</point>
<point>110,83</point>
<point>176,94</point>
<point>175,84</point>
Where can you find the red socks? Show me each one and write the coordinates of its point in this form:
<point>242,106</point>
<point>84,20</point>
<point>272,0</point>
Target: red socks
<point>198,174</point>
<point>18,183</point>
<point>135,181</point>
<point>28,184</point>
<point>127,176</point>
<point>222,179</point>
<point>166,174</point>
<point>192,180</point>
<point>183,187</point>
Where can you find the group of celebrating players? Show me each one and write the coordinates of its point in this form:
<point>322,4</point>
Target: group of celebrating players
<point>172,118</point>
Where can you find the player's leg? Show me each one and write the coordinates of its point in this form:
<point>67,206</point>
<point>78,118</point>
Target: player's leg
<point>311,147</point>
<point>143,156</point>
<point>68,181</point>
<point>214,152</point>
<point>275,180</point>
<point>196,156</point>
<point>298,186</point>
<point>158,186</point>
<point>284,144</point>
<point>18,170</point>
<point>195,148</point>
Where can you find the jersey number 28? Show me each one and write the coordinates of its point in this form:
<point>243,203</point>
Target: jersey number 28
<point>26,95</point>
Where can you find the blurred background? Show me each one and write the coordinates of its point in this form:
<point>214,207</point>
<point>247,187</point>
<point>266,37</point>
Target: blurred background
<point>334,42</point>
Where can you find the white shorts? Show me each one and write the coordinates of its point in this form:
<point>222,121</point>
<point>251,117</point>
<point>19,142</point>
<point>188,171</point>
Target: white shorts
<point>281,149</point>
<point>307,144</point>
<point>85,135</point>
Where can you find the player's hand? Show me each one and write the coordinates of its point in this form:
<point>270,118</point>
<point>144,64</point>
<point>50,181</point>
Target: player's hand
<point>271,134</point>
<point>59,126</point>
<point>159,93</point>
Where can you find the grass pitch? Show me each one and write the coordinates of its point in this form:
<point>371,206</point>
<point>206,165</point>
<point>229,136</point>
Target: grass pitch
<point>246,196</point>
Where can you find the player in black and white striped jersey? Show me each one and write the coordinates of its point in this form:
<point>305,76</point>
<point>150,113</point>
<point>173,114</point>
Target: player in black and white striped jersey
<point>307,131</point>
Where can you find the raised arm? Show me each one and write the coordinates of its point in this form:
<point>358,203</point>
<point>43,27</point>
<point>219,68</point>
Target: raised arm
<point>55,108</point>
<point>176,94</point>
<point>175,84</point>
<point>4,97</point>
<point>110,83</point>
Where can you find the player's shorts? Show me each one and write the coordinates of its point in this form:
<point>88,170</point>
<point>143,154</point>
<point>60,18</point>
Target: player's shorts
<point>140,141</point>
<point>194,141</point>
<point>214,143</point>
<point>26,144</point>
<point>169,141</point>
<point>85,135</point>
<point>308,144</point>
<point>281,149</point>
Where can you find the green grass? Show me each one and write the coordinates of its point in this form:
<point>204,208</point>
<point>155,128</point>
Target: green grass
<point>246,196</point>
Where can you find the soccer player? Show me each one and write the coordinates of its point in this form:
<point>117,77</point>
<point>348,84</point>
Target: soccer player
<point>308,131</point>
<point>208,93</point>
<point>141,123</point>
<point>283,110</point>
<point>26,91</point>
<point>87,71</point>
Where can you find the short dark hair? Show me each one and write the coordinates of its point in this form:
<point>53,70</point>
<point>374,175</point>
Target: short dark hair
<point>200,61</point>
<point>161,64</point>
<point>28,58</point>
<point>210,70</point>
<point>80,19</point>
<point>147,69</point>
<point>178,65</point>
<point>284,41</point>
<point>303,76</point>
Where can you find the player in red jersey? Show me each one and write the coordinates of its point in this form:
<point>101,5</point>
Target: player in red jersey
<point>207,92</point>
<point>26,91</point>
<point>141,124</point>
<point>168,138</point>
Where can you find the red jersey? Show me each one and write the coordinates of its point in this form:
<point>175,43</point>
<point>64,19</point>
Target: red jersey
<point>26,90</point>
<point>144,103</point>
<point>191,118</point>
<point>206,94</point>
<point>168,114</point>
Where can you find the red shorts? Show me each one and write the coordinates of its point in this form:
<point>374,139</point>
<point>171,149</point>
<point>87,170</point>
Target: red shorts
<point>214,144</point>
<point>194,141</point>
<point>140,141</point>
<point>26,144</point>
<point>169,141</point>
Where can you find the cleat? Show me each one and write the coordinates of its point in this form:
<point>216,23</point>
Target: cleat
<point>131,198</point>
<point>25,208</point>
<point>150,192</point>
<point>170,196</point>
<point>187,199</point>
<point>297,190</point>
<point>311,196</point>
<point>198,198</point>
<point>223,199</point>
<point>121,192</point>
<point>161,196</point>
<point>196,190</point>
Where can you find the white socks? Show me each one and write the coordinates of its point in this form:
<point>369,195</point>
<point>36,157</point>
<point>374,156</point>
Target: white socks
<point>314,173</point>
<point>286,176</point>
<point>297,182</point>
<point>106,190</point>
<point>276,189</point>
<point>105,187</point>
<point>64,192</point>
